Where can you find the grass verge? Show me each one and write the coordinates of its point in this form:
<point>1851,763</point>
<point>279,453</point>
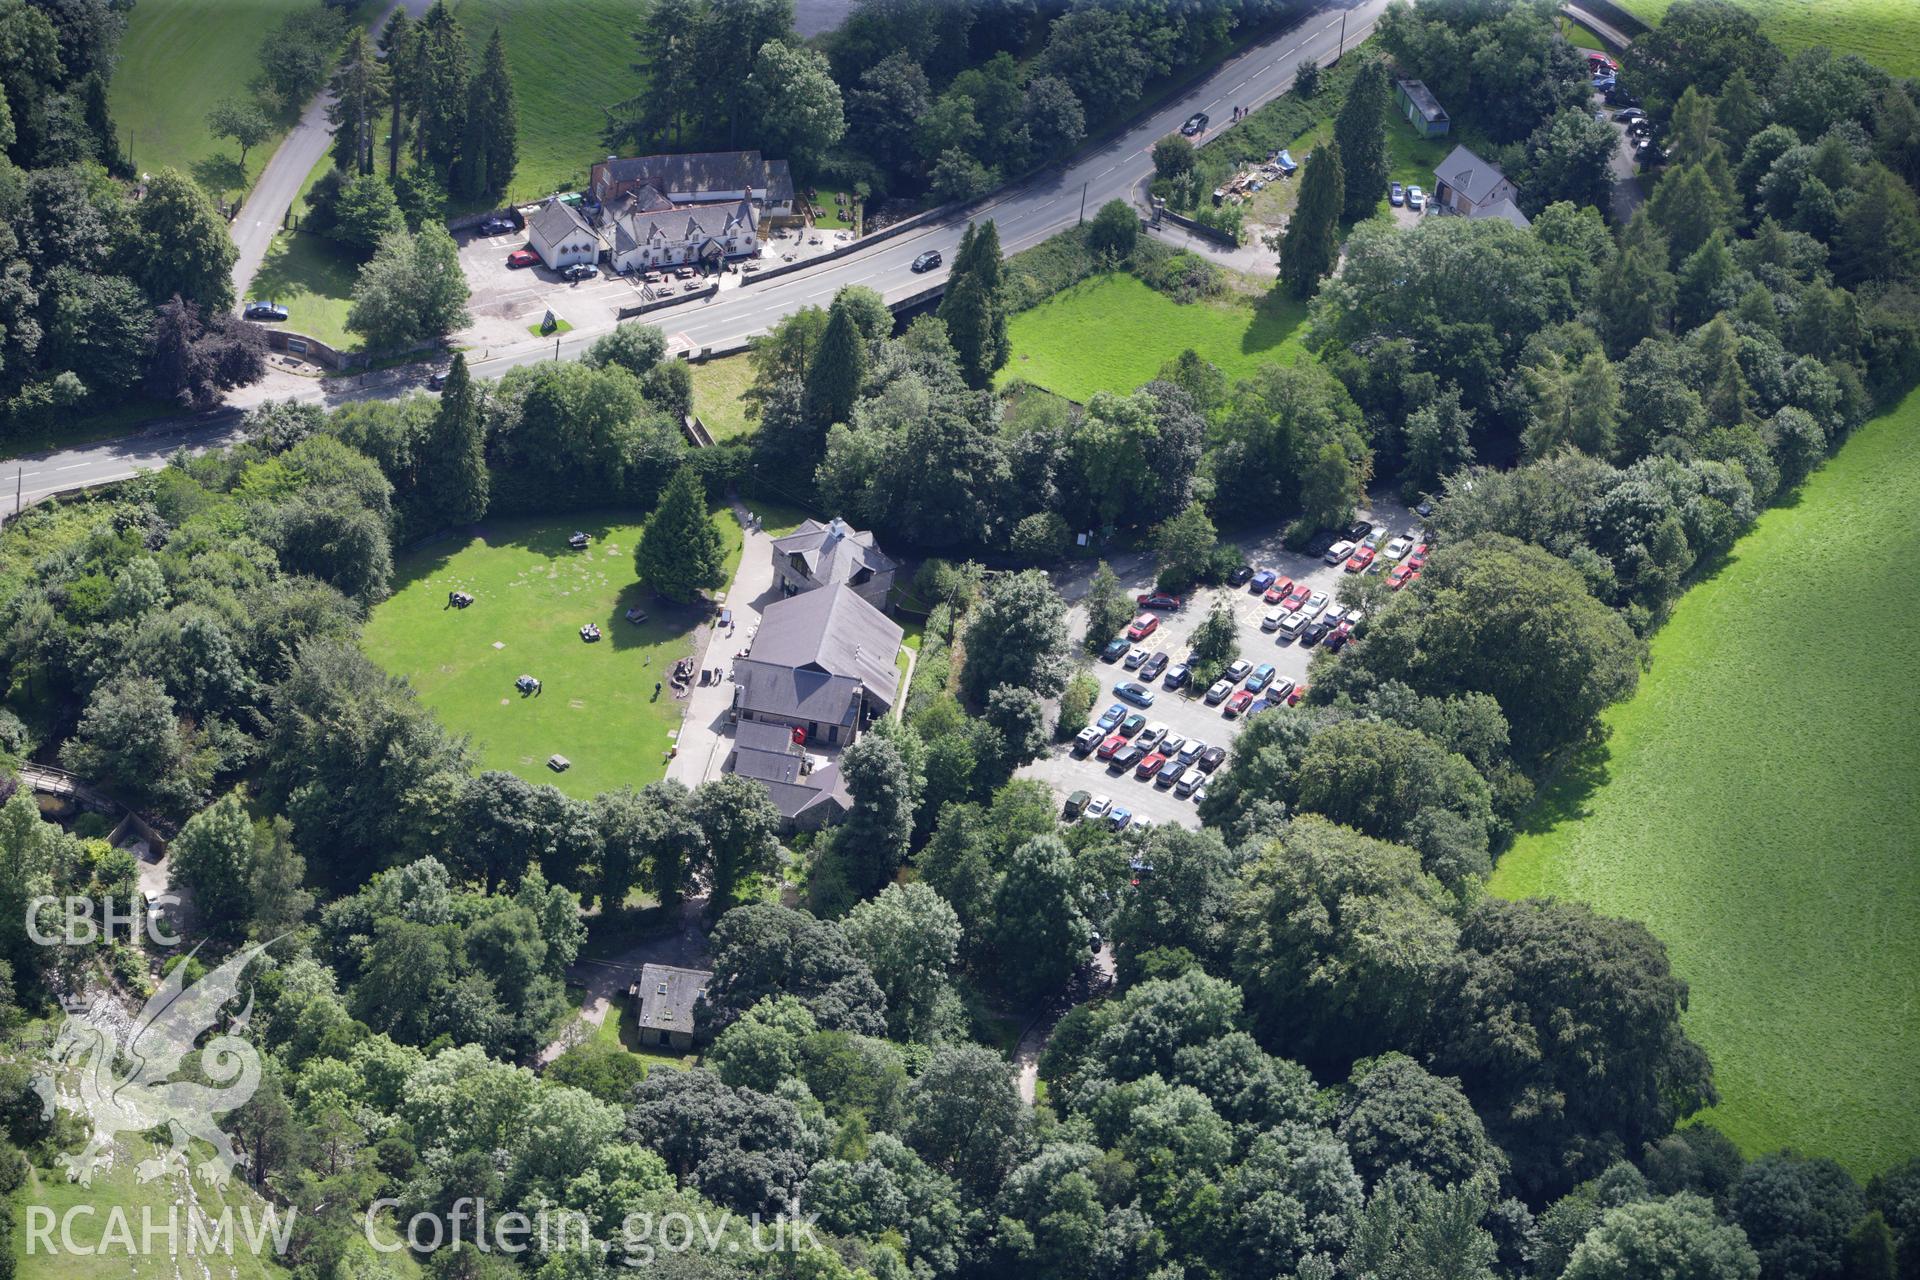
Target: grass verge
<point>717,389</point>
<point>1755,806</point>
<point>313,278</point>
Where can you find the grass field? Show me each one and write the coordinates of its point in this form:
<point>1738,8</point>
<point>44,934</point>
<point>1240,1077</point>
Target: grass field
<point>532,596</point>
<point>178,58</point>
<point>571,59</point>
<point>313,278</point>
<point>1884,32</point>
<point>1581,36</point>
<point>717,388</point>
<point>1756,807</point>
<point>1112,333</point>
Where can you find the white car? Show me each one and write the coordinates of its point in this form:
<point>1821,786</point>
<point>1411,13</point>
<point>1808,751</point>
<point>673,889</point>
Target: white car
<point>1339,551</point>
<point>1099,805</point>
<point>1134,658</point>
<point>1200,793</point>
<point>1398,548</point>
<point>1218,693</point>
<point>1273,620</point>
<point>1151,736</point>
<point>1416,199</point>
<point>1291,628</point>
<point>1333,615</point>
<point>1374,539</point>
<point>1316,604</point>
<point>1191,750</point>
<point>1172,747</point>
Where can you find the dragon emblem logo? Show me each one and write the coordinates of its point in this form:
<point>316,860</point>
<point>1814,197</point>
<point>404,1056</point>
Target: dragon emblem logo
<point>124,1071</point>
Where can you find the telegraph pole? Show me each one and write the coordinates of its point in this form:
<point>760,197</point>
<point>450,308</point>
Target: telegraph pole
<point>1083,203</point>
<point>1341,52</point>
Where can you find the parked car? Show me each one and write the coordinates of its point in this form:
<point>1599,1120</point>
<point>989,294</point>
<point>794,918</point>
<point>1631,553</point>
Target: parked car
<point>1143,626</point>
<point>1086,740</point>
<point>1281,688</point>
<point>1126,757</point>
<point>1176,676</point>
<point>1135,692</point>
<point>1158,600</point>
<point>437,380</point>
<point>1262,677</point>
<point>1240,575</point>
<point>263,311</point>
<point>928,260</point>
<point>1236,704</point>
<point>1315,632</point>
<point>1339,551</point>
<point>1192,750</point>
<point>1171,747</point>
<point>1149,765</point>
<point>580,271</point>
<point>1196,124</point>
<point>1133,724</point>
<point>1273,619</point>
<point>1119,818</point>
<point>1212,758</point>
<point>1619,96</point>
<point>1152,736</point>
<point>1299,692</point>
<point>1400,576</point>
<point>1076,805</point>
<point>1188,782</point>
<point>1169,774</point>
<point>1396,194</point>
<point>1374,537</point>
<point>1398,548</point>
<point>1217,694</point>
<point>1110,718</point>
<point>1418,556</point>
<point>1237,672</point>
<point>1316,604</point>
<point>1360,560</point>
<point>1333,616</point>
<point>1152,667</point>
<point>1099,805</point>
<point>1134,658</point>
<point>1282,588</point>
<point>1116,649</point>
<point>1317,545</point>
<point>1261,581</point>
<point>1291,626</point>
<point>1628,115</point>
<point>1358,530</point>
<point>1111,747</point>
<point>1416,199</point>
<point>1297,598</point>
<point>497,226</point>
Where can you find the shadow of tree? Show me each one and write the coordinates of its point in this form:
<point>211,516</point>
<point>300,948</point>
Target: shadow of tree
<point>220,174</point>
<point>1277,317</point>
<point>1566,797</point>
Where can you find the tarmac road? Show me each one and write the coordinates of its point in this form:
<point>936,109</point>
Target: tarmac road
<point>1025,215</point>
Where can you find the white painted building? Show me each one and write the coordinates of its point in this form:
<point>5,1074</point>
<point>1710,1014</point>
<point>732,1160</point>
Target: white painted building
<point>707,234</point>
<point>561,236</point>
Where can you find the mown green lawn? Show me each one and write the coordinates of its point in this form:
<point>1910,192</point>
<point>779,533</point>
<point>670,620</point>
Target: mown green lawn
<point>179,58</point>
<point>1756,806</point>
<point>313,278</point>
<point>1884,32</point>
<point>571,59</point>
<point>1112,333</point>
<point>1581,36</point>
<point>717,388</point>
<point>532,594</point>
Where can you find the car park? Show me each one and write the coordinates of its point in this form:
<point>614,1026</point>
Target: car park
<point>1401,575</point>
<point>1076,805</point>
<point>1111,747</point>
<point>1176,676</point>
<point>1143,626</point>
<point>263,311</point>
<point>1262,677</point>
<point>1158,600</point>
<point>1416,199</point>
<point>1135,657</point>
<point>927,261</point>
<point>1099,806</point>
<point>1273,619</point>
<point>1237,672</point>
<point>1116,649</point>
<point>1086,740</point>
<point>1133,724</point>
<point>1261,581</point>
<point>1240,575</point>
<point>1339,551</point>
<point>1169,774</point>
<point>1282,588</point>
<point>1195,124</point>
<point>1291,627</point>
<point>1119,818</point>
<point>1135,692</point>
<point>1152,667</point>
<point>1110,718</point>
<point>1236,704</point>
<point>1360,560</point>
<point>1149,765</point>
<point>1396,194</point>
<point>1217,694</point>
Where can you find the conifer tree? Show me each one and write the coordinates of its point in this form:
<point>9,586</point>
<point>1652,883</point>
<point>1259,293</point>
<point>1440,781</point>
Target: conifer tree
<point>839,363</point>
<point>491,146</point>
<point>1310,245</point>
<point>453,465</point>
<point>680,553</point>
<point>1360,131</point>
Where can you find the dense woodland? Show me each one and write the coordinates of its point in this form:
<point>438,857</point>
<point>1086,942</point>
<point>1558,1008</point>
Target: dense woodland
<point>1328,1052</point>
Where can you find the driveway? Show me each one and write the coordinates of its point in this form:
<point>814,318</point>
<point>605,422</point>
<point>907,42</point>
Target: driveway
<point>705,731</point>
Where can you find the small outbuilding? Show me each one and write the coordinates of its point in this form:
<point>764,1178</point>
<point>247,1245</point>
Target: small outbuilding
<point>561,237</point>
<point>1422,110</point>
<point>666,995</point>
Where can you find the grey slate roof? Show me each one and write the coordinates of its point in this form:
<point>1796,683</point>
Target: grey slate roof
<point>668,994</point>
<point>1423,100</point>
<point>815,652</point>
<point>691,224</point>
<point>767,753</point>
<point>833,552</point>
<point>555,222</point>
<point>1503,208</point>
<point>1468,174</point>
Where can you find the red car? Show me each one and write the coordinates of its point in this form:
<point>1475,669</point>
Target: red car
<point>1158,600</point>
<point>1143,626</point>
<point>1299,692</point>
<point>1418,556</point>
<point>1279,590</point>
<point>1149,766</point>
<point>1111,745</point>
<point>1359,560</point>
<point>1239,702</point>
<point>1401,575</point>
<point>522,258</point>
<point>1297,596</point>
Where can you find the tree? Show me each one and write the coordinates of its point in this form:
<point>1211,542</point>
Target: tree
<point>1677,1239</point>
<point>453,464</point>
<point>1108,609</point>
<point>909,937</point>
<point>1879,236</point>
<point>872,842</point>
<point>185,246</point>
<point>796,104</point>
<point>241,120</point>
<point>964,1117</point>
<point>638,348</point>
<point>1360,137</point>
<point>439,65</point>
<point>365,213</point>
<point>680,553</point>
<point>1016,635</point>
<point>839,365</point>
<point>397,42</point>
<point>1173,157</point>
<point>762,950</point>
<point>1399,1115</point>
<point>1797,1212</point>
<point>1038,932</point>
<point>490,147</point>
<point>1020,719</point>
<point>362,85</point>
<point>412,291</point>
<point>130,737</point>
<point>1310,245</point>
<point>741,826</point>
<point>1216,641</point>
<point>1870,1249</point>
<point>1185,543</point>
<point>1574,404</point>
<point>213,859</point>
<point>975,314</point>
<point>1115,230</point>
<point>1568,159</point>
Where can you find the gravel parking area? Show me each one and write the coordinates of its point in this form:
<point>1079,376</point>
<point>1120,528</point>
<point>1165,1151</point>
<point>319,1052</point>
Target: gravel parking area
<point>1184,711</point>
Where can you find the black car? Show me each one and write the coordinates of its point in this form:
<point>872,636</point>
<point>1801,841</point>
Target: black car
<point>1359,529</point>
<point>1620,97</point>
<point>436,380</point>
<point>1424,510</point>
<point>1127,757</point>
<point>1241,576</point>
<point>263,311</point>
<point>579,271</point>
<point>1315,632</point>
<point>1212,758</point>
<point>1153,666</point>
<point>1196,124</point>
<point>497,226</point>
<point>927,261</point>
<point>1115,650</point>
<point>1317,546</point>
